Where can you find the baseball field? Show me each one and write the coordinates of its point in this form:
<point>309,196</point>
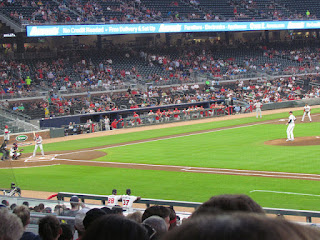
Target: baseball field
<point>188,161</point>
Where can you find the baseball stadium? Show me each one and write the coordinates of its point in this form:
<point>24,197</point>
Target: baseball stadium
<point>179,102</point>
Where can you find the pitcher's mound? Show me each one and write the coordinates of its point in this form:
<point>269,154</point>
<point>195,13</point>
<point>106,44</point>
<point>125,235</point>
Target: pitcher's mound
<point>300,141</point>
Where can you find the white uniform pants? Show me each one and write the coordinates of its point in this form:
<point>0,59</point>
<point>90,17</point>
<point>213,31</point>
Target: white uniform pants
<point>290,135</point>
<point>107,127</point>
<point>35,149</point>
<point>258,110</point>
<point>304,114</point>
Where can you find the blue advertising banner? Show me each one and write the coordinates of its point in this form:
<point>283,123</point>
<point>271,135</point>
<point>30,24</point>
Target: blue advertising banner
<point>140,28</point>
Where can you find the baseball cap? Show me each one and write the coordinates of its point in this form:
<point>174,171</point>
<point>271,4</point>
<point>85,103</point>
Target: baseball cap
<point>74,199</point>
<point>290,112</point>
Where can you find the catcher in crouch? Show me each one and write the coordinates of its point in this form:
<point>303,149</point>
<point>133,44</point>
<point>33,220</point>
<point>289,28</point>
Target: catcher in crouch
<point>15,153</point>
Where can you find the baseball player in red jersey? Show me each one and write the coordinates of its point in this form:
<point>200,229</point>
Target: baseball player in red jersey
<point>137,118</point>
<point>176,114</point>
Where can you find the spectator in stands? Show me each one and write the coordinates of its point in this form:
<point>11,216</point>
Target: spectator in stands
<point>78,222</point>
<point>160,211</point>
<point>91,216</point>
<point>67,233</point>
<point>228,203</point>
<point>173,218</point>
<point>24,214</point>
<point>158,224</point>
<point>5,203</point>
<point>115,227</point>
<point>75,206</point>
<point>49,228</point>
<point>241,226</point>
<point>11,227</point>
<point>135,216</point>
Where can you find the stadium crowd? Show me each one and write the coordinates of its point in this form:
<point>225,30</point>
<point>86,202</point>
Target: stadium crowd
<point>133,11</point>
<point>225,217</point>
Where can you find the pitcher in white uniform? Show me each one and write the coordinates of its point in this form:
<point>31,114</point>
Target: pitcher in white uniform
<point>290,123</point>
<point>306,111</point>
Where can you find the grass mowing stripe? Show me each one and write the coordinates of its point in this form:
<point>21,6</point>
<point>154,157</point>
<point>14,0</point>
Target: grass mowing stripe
<point>165,185</point>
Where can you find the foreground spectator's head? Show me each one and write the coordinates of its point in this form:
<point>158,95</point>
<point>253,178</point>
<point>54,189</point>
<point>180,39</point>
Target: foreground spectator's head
<point>23,213</point>
<point>135,216</point>
<point>11,227</point>
<point>67,233</point>
<point>115,227</point>
<point>91,216</point>
<point>239,226</point>
<point>158,224</point>
<point>49,228</point>
<point>228,203</point>
<point>160,211</point>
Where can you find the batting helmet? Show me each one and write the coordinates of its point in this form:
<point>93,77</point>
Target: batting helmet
<point>6,126</point>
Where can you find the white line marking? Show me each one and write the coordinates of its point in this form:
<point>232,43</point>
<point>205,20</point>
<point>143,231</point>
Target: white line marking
<point>164,138</point>
<point>290,193</point>
<point>33,166</point>
<point>252,174</point>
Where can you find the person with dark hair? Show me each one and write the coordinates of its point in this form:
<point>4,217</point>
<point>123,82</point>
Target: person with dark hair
<point>249,226</point>
<point>113,199</point>
<point>11,227</point>
<point>173,218</point>
<point>228,203</point>
<point>91,216</point>
<point>75,206</point>
<point>115,227</point>
<point>49,228</point>
<point>67,233</point>
<point>159,226</point>
<point>128,200</point>
<point>13,205</point>
<point>160,211</point>
<point>24,214</point>
<point>25,203</point>
<point>5,202</point>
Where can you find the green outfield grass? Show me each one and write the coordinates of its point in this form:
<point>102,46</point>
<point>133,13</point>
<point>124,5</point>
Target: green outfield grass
<point>167,185</point>
<point>240,148</point>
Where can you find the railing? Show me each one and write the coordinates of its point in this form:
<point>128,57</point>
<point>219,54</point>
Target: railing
<point>147,201</point>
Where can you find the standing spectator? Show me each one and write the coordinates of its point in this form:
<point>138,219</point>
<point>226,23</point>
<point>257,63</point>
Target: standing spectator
<point>28,81</point>
<point>24,214</point>
<point>160,211</point>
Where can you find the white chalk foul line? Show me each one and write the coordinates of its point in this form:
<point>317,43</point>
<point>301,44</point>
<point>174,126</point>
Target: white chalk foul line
<point>164,138</point>
<point>289,193</point>
<point>252,174</point>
